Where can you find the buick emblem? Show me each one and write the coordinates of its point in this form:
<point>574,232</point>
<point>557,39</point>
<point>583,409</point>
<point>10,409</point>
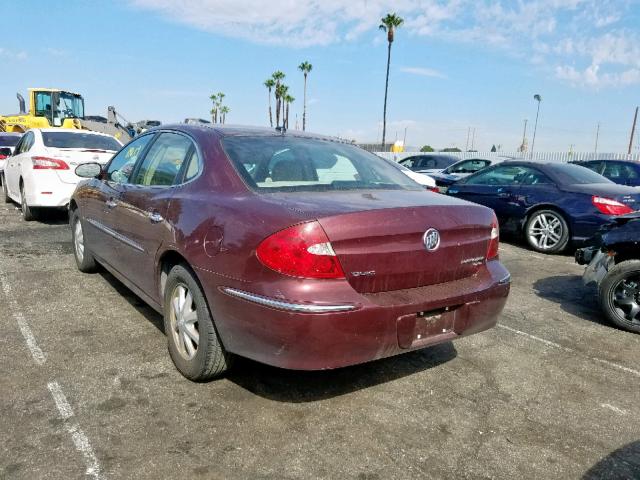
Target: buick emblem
<point>431,239</point>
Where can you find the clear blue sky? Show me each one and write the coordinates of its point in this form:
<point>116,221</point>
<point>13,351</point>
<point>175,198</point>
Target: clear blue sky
<point>455,64</point>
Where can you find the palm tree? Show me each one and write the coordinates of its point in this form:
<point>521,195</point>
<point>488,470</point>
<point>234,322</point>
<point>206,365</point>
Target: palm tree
<point>223,113</point>
<point>214,110</point>
<point>278,76</point>
<point>538,99</point>
<point>389,24</point>
<point>305,68</point>
<point>288,99</point>
<point>270,83</point>
<point>281,93</point>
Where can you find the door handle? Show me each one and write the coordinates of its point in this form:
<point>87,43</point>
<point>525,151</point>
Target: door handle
<point>111,203</point>
<point>155,217</point>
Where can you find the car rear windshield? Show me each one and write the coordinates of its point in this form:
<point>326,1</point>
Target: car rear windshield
<point>272,164</point>
<point>9,140</point>
<point>569,174</point>
<point>86,141</point>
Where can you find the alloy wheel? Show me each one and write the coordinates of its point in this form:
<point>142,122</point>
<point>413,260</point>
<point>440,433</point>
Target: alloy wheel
<point>626,299</point>
<point>545,231</point>
<point>78,240</point>
<point>183,318</point>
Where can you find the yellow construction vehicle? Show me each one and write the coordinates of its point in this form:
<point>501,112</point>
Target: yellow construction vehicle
<point>50,107</point>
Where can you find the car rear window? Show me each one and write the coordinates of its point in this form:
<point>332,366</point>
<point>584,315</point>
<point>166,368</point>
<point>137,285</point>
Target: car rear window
<point>271,164</point>
<point>88,141</point>
<point>569,174</point>
<point>9,140</point>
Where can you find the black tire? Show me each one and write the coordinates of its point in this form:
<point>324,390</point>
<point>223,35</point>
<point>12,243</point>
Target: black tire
<point>533,225</point>
<point>28,213</point>
<point>5,192</point>
<point>622,310</point>
<point>85,261</point>
<point>210,359</point>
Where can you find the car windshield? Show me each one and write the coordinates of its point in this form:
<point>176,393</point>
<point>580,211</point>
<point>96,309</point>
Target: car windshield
<point>9,140</point>
<point>569,174</point>
<point>272,164</point>
<point>85,141</point>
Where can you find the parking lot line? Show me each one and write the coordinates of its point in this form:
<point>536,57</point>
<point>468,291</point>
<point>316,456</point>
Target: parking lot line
<point>36,353</point>
<point>570,350</point>
<point>80,440</point>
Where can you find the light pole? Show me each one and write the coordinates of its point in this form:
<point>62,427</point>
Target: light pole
<point>538,99</point>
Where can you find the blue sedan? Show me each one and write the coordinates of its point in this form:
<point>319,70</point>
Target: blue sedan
<point>552,204</point>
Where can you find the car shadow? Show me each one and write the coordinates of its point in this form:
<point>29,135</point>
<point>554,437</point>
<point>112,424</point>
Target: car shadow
<point>572,296</point>
<point>294,386</point>
<point>136,302</point>
<point>621,464</point>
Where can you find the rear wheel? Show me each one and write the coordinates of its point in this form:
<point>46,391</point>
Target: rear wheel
<point>194,345</point>
<point>28,213</point>
<point>84,260</point>
<point>547,231</point>
<point>619,295</point>
<point>5,192</point>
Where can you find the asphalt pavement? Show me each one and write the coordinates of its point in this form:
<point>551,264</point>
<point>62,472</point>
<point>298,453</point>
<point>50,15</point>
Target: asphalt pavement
<point>88,389</point>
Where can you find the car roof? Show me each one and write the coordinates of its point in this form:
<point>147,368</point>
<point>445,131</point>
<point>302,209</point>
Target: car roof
<point>635,162</point>
<point>244,131</point>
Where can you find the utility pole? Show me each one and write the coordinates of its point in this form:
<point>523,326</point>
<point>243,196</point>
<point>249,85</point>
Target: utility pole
<point>595,150</point>
<point>404,140</point>
<point>524,134</point>
<point>633,131</point>
<point>538,99</point>
<point>473,139</point>
<point>466,147</point>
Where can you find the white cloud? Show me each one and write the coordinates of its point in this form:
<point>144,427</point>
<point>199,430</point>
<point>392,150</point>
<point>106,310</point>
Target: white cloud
<point>12,54</point>
<point>425,72</point>
<point>576,39</point>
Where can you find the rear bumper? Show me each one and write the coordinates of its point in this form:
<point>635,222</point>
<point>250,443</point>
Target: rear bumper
<point>379,325</point>
<point>50,194</point>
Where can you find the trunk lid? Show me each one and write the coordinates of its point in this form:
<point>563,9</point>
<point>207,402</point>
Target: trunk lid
<point>378,236</point>
<point>622,193</point>
<point>77,156</point>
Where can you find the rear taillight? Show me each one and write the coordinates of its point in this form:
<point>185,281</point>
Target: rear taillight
<point>609,206</point>
<point>2,157</point>
<point>494,240</point>
<point>433,189</point>
<point>303,250</point>
<point>46,163</point>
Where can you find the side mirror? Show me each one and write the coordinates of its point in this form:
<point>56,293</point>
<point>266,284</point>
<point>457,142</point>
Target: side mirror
<point>5,152</point>
<point>89,170</point>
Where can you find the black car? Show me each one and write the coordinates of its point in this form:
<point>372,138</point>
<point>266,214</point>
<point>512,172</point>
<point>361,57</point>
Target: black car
<point>553,204</point>
<point>624,172</point>
<point>614,266</point>
<point>430,163</point>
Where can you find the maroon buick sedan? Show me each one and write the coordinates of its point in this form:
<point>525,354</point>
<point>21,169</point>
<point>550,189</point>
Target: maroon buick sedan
<point>292,249</point>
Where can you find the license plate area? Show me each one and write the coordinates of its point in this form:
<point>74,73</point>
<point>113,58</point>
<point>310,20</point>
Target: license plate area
<point>423,328</point>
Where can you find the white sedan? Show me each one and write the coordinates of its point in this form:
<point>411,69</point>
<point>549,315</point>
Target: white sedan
<point>41,172</point>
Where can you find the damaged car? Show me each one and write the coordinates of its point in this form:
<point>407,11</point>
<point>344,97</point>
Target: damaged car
<point>613,265</point>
